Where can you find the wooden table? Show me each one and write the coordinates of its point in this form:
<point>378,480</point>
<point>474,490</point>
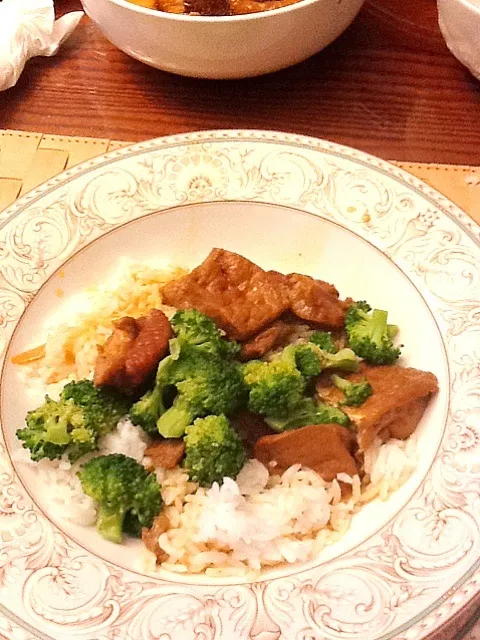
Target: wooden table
<point>388,86</point>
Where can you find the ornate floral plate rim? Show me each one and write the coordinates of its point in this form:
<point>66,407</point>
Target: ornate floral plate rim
<point>252,135</point>
<point>414,627</point>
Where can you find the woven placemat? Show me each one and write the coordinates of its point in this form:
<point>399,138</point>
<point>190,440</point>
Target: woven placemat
<point>27,159</point>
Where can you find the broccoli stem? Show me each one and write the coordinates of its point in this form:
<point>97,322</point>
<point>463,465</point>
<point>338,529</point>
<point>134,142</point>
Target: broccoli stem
<point>340,383</point>
<point>145,411</point>
<point>56,431</point>
<point>109,523</point>
<point>392,330</point>
<point>379,319</point>
<point>174,421</point>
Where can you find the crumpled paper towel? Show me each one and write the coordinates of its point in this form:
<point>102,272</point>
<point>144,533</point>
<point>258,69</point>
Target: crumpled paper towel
<point>28,28</point>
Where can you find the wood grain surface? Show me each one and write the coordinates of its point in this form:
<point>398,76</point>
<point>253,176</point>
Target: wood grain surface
<point>388,86</point>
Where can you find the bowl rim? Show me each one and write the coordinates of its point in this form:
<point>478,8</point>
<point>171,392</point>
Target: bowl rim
<point>182,17</point>
<point>470,6</point>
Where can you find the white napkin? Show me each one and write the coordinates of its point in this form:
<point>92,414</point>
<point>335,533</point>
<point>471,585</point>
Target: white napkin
<point>28,28</point>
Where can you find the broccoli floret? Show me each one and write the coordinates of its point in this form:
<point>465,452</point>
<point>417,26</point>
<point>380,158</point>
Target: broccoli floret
<point>363,305</point>
<point>102,407</point>
<point>355,392</point>
<point>306,358</point>
<point>324,340</point>
<point>275,387</point>
<point>195,328</point>
<point>205,385</point>
<point>310,360</point>
<point>202,383</point>
<point>145,411</point>
<point>369,334</point>
<point>213,450</point>
<point>309,412</point>
<point>73,424</point>
<point>345,360</point>
<point>128,495</point>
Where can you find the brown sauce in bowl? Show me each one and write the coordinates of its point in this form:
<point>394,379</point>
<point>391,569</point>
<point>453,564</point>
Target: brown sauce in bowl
<point>231,7</point>
<point>239,7</point>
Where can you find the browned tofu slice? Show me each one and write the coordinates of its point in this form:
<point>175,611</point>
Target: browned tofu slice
<point>399,399</point>
<point>315,301</point>
<point>241,297</point>
<point>324,448</point>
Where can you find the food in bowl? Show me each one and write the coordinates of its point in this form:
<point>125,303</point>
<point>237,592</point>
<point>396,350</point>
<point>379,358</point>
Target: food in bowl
<point>233,418</point>
<point>221,47</point>
<point>213,7</point>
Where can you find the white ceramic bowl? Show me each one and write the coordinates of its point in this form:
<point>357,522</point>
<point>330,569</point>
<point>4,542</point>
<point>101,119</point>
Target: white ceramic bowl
<point>459,22</point>
<point>223,47</point>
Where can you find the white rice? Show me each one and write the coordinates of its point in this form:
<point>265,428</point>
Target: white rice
<point>263,520</point>
<point>389,466</point>
<point>235,529</point>
<point>242,526</point>
<point>61,488</point>
<point>72,338</point>
<point>252,478</point>
<point>127,439</point>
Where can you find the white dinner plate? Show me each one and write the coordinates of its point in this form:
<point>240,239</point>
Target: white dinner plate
<point>290,203</point>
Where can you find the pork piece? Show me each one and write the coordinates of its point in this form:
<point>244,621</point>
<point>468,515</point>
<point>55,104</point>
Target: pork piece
<point>250,427</point>
<point>133,351</point>
<point>325,448</point>
<point>315,301</point>
<point>150,346</point>
<point>166,453</point>
<point>110,363</point>
<point>207,7</point>
<point>399,399</point>
<point>267,339</point>
<point>241,297</point>
<point>150,536</point>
